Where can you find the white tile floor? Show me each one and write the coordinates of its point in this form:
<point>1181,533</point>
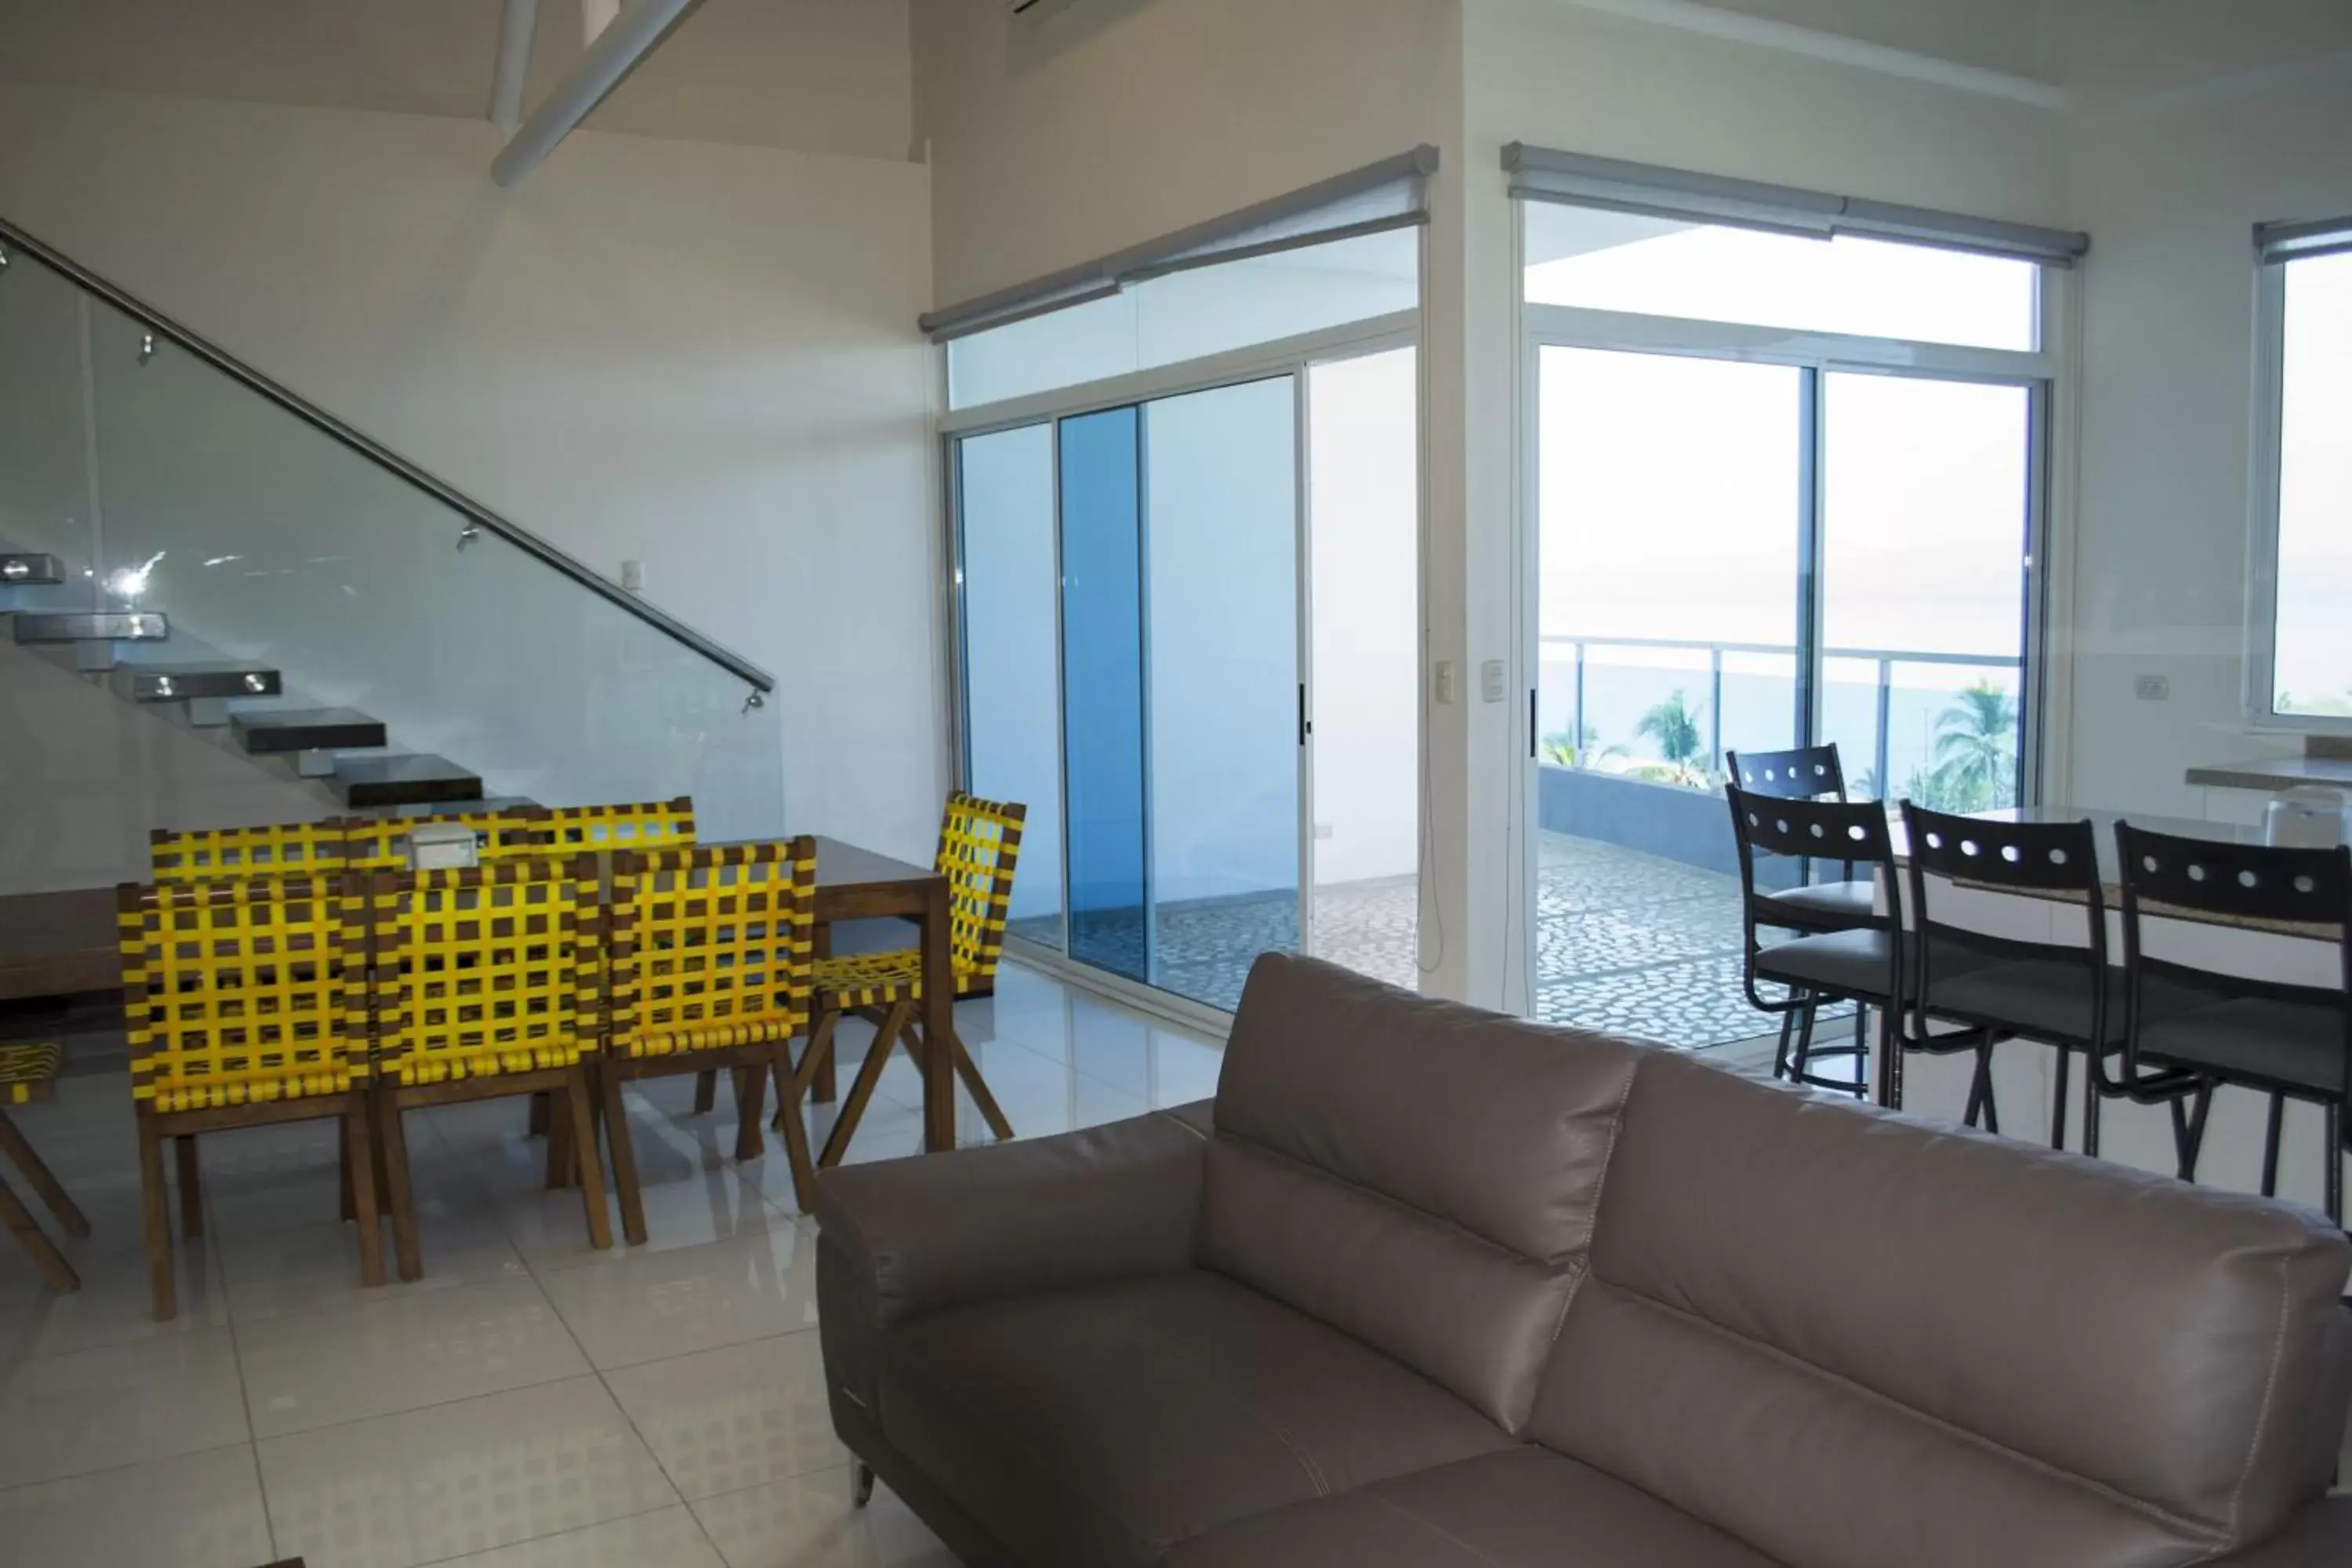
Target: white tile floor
<point>531,1401</point>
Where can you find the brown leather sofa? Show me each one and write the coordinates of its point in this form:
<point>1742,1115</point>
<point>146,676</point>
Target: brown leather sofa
<point>1436,1288</point>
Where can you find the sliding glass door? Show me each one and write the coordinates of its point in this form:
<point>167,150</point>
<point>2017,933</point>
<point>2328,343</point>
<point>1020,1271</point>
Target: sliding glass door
<point>1138,585</point>
<point>1736,554</point>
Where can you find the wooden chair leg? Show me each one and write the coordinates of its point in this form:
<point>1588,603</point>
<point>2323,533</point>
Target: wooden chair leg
<point>156,1220</point>
<point>192,1189</point>
<point>346,1206</point>
<point>825,1085</point>
<point>46,1256</point>
<point>706,1091</point>
<point>365,1218</point>
<point>560,1160</point>
<point>790,1092</point>
<point>44,1181</point>
<point>869,1076</point>
<point>969,1070</point>
<point>750,1097</point>
<point>540,1115</point>
<point>817,1057</point>
<point>391,1136</point>
<point>618,1139</point>
<point>591,1166</point>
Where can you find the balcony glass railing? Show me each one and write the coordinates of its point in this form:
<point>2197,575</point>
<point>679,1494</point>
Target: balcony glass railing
<point>168,476</point>
<point>1942,729</point>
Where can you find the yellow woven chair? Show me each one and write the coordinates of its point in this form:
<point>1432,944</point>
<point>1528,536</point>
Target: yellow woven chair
<point>381,844</point>
<point>658,825</point>
<point>245,1006</point>
<point>211,854</point>
<point>711,951</point>
<point>483,983</point>
<point>980,845</point>
<point>28,1071</point>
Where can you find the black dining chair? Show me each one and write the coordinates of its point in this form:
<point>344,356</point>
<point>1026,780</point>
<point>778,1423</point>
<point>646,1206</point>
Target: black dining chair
<point>1810,772</point>
<point>2060,993</point>
<point>1860,961</point>
<point>2286,1041</point>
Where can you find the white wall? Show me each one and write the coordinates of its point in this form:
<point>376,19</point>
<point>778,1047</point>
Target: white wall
<point>2169,190</point>
<point>699,356</point>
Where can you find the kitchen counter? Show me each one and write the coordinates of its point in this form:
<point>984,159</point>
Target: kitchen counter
<point>2273,775</point>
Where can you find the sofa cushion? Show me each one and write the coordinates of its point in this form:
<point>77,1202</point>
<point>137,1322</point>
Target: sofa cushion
<point>1420,1175</point>
<point>1524,1508</point>
<point>1989,1353</point>
<point>1094,1427</point>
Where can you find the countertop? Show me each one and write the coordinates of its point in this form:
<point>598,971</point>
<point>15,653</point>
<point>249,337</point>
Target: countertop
<point>2275,773</point>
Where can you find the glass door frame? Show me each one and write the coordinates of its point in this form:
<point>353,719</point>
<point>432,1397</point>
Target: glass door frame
<point>1817,355</point>
<point>1294,357</point>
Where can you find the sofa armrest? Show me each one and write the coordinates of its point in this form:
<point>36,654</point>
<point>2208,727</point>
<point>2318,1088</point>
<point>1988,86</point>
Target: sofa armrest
<point>934,1232</point>
<point>2319,1536</point>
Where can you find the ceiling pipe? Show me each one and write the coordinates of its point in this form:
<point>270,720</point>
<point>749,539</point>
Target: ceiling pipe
<point>514,62</point>
<point>641,24</point>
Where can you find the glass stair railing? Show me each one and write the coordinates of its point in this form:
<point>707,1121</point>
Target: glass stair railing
<point>207,544</point>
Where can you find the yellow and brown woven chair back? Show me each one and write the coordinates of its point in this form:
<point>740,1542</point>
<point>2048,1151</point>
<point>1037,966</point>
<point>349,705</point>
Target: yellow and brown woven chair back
<point>240,992</point>
<point>213,854</point>
<point>710,947</point>
<point>382,843</point>
<point>494,969</point>
<point>657,825</point>
<point>980,845</point>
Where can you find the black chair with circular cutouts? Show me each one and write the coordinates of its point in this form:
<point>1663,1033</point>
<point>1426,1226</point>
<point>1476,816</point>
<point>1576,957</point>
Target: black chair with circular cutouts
<point>1859,963</point>
<point>2060,993</point>
<point>1810,907</point>
<point>2286,1041</point>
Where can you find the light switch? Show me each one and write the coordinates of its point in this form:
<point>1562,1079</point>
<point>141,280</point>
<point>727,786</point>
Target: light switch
<point>632,576</point>
<point>2152,689</point>
<point>1445,681</point>
<point>1490,680</point>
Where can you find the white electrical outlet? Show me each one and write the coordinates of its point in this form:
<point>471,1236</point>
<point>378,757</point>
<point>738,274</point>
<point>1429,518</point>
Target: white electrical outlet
<point>2152,689</point>
<point>632,576</point>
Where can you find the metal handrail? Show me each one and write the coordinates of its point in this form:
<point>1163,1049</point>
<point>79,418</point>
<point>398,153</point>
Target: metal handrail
<point>384,457</point>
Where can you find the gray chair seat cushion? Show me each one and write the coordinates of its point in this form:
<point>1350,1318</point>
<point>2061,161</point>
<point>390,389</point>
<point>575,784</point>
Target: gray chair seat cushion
<point>1852,962</point>
<point>1529,1508</point>
<point>1827,905</point>
<point>2291,1043</point>
<point>1096,1427</point>
<point>2040,999</point>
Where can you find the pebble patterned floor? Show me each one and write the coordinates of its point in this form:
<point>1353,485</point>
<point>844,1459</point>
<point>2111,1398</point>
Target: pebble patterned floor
<point>1625,942</point>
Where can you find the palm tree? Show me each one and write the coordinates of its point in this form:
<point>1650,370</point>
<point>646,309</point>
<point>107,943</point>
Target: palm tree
<point>1674,724</point>
<point>1976,741</point>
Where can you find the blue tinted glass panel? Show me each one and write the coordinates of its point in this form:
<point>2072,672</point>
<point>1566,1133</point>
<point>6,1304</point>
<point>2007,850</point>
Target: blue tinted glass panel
<point>1102,694</point>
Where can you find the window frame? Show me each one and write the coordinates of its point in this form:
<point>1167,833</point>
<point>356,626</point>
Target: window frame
<point>2261,694</point>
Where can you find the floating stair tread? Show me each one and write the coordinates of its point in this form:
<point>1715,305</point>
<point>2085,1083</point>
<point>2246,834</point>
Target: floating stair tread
<point>23,569</point>
<point>307,730</point>
<point>200,678</point>
<point>424,808</point>
<point>401,779</point>
<point>85,626</point>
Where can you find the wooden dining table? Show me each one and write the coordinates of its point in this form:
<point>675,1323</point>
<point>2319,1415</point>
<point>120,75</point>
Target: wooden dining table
<point>857,884</point>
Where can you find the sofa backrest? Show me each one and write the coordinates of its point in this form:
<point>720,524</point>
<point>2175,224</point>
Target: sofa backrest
<point>1418,1174</point>
<point>1851,1339</point>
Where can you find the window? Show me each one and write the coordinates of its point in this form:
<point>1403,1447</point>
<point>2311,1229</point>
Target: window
<point>2303,580</point>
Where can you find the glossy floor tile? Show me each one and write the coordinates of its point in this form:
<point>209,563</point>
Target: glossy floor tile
<point>666,1538</point>
<point>642,1305</point>
<point>808,1523</point>
<point>121,1405</point>
<point>197,1510</point>
<point>402,1350</point>
<point>463,1478</point>
<point>739,1417</point>
<point>531,1401</point>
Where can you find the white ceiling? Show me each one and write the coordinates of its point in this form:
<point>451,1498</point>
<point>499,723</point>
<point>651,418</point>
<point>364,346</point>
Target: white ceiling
<point>823,76</point>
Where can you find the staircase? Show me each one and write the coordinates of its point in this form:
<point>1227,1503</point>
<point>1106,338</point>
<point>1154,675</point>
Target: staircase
<point>347,754</point>
<point>185,536</point>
